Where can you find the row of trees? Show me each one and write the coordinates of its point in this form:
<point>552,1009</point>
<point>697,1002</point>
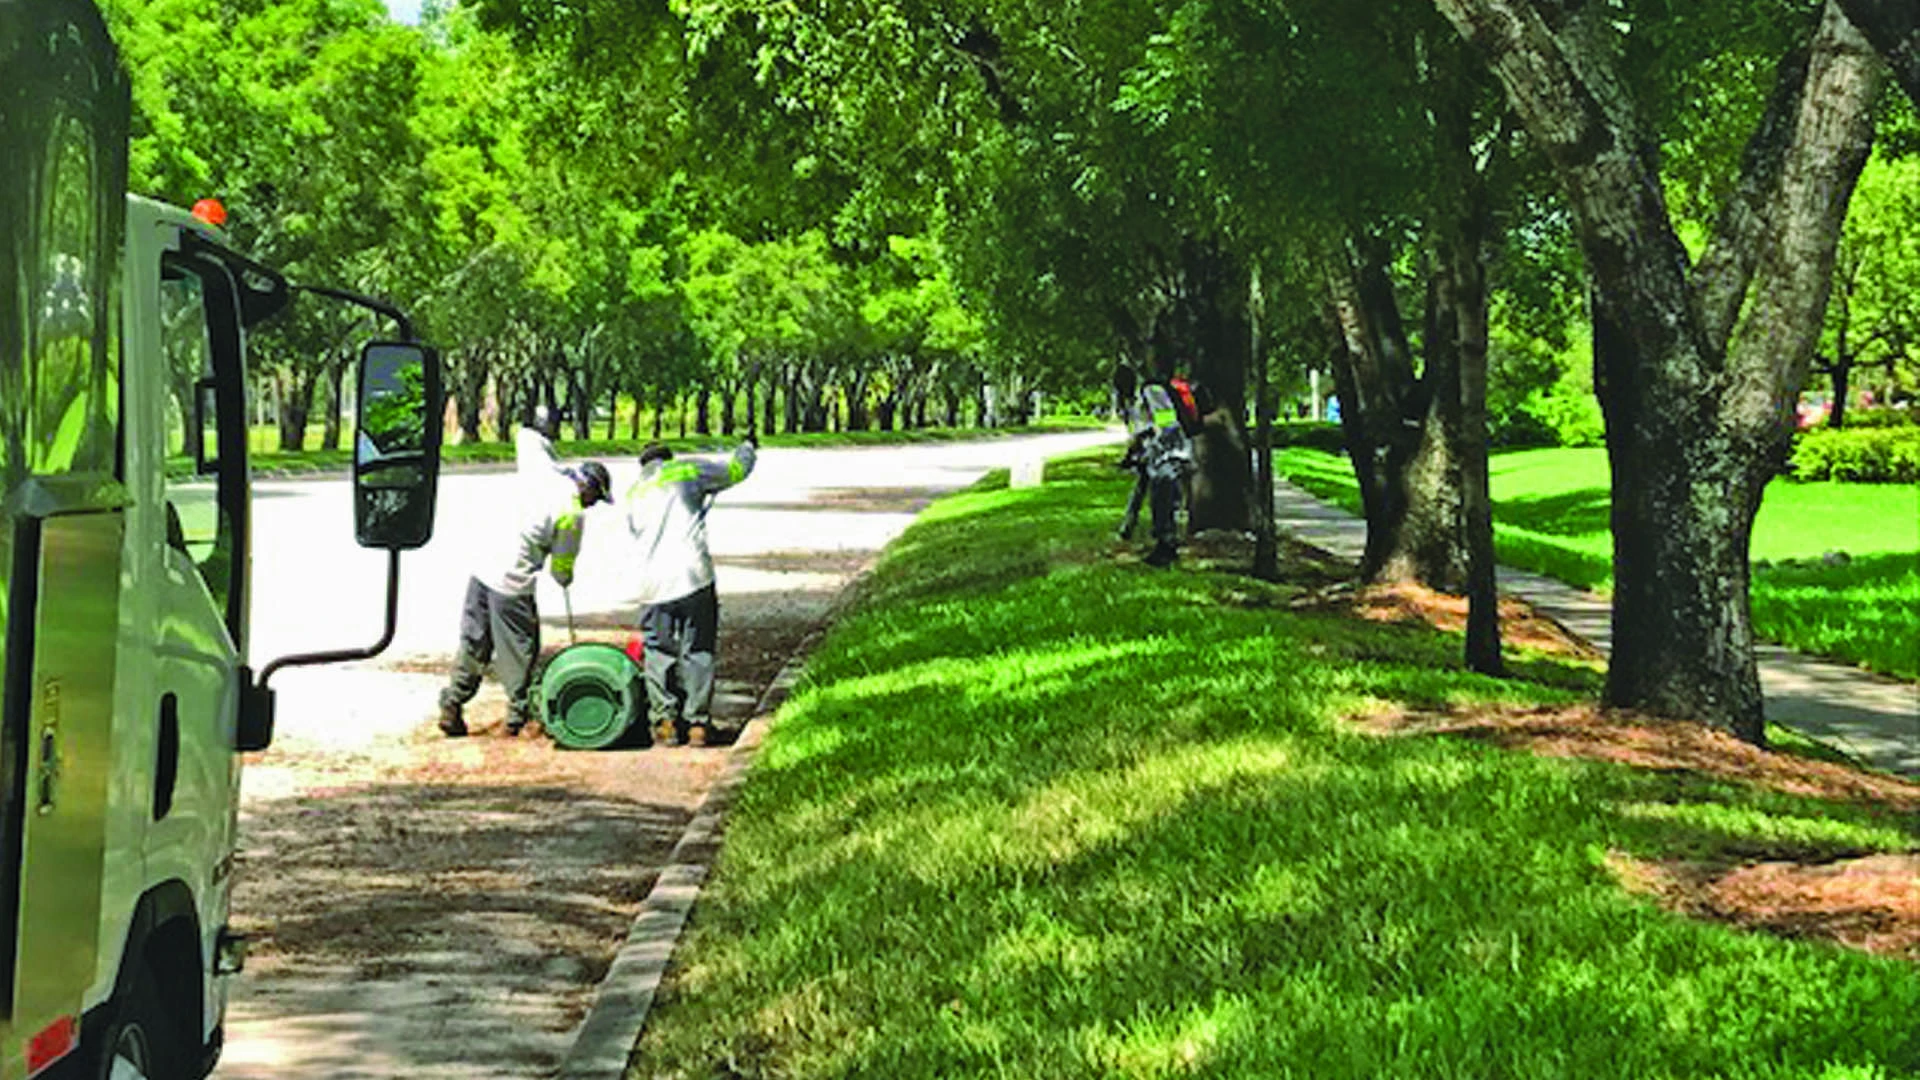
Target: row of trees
<point>1383,188</point>
<point>444,168</point>
<point>894,202</point>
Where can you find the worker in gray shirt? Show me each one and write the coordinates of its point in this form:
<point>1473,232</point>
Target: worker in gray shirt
<point>499,621</point>
<point>679,609</point>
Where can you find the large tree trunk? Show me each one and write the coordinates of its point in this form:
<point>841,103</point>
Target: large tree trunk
<point>1402,432</point>
<point>1457,327</point>
<point>703,423</point>
<point>1695,371</point>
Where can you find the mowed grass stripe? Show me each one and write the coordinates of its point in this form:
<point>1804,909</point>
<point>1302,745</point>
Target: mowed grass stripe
<point>1550,516</point>
<point>1036,812</point>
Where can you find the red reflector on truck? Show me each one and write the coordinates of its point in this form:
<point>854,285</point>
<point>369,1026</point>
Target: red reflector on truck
<point>52,1044</point>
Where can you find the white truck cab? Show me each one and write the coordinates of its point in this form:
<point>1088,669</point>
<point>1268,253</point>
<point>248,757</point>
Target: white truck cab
<point>124,569</point>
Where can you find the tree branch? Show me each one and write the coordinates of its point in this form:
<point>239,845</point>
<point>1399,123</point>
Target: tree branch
<point>1893,28</point>
<point>1726,268</point>
<point>1794,280</point>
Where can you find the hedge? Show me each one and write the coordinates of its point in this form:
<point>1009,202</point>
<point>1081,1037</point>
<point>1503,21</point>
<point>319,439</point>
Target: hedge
<point>1873,455</point>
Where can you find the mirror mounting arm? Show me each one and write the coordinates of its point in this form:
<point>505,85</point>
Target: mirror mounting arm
<point>369,302</point>
<point>256,699</point>
<point>334,656</point>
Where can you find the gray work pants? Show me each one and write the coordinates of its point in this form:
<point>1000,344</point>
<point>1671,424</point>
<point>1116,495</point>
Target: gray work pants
<point>500,628</point>
<point>680,636</point>
<point>1132,517</point>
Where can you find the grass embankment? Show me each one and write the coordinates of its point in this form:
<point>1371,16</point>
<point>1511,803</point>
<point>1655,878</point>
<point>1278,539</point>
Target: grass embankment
<point>1550,516</point>
<point>327,461</point>
<point>1039,812</point>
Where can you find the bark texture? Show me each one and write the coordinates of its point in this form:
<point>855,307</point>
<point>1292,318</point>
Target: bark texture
<point>1402,430</point>
<point>1695,367</point>
<point>1893,28</point>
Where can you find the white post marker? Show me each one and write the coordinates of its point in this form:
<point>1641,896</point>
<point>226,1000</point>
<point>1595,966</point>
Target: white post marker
<point>1028,472</point>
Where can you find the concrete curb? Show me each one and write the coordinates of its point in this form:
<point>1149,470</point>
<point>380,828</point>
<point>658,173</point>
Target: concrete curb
<point>606,1037</point>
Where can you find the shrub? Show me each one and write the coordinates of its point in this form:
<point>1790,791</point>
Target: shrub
<point>1872,455</point>
<point>1314,435</point>
<point>1881,418</point>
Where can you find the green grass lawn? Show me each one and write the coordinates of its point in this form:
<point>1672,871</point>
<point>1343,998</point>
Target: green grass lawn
<point>1550,516</point>
<point>1038,812</point>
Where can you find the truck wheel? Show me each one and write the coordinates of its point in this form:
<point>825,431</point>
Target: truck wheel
<point>137,1042</point>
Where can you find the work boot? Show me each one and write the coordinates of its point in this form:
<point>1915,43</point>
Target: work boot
<point>666,733</point>
<point>514,726</point>
<point>696,734</point>
<point>452,725</point>
<point>1162,555</point>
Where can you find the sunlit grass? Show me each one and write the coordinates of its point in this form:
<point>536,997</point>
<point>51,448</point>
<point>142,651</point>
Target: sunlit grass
<point>1550,516</point>
<point>1039,812</point>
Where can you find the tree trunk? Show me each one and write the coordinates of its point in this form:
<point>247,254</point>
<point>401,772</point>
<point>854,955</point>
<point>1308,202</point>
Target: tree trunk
<point>1696,371</point>
<point>1266,546</point>
<point>1458,327</point>
<point>294,408</point>
<point>613,412</point>
<point>580,404</point>
<point>336,404</point>
<point>1842,373</point>
<point>1402,432</point>
<point>702,421</point>
<point>857,404</point>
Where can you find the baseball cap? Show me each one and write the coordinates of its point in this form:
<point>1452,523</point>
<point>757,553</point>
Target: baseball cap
<point>595,475</point>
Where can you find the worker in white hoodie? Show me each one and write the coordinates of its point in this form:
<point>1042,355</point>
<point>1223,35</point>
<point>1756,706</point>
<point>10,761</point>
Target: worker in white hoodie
<point>679,609</point>
<point>499,620</point>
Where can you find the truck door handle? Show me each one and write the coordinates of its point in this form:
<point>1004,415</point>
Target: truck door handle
<point>167,769</point>
<point>49,767</point>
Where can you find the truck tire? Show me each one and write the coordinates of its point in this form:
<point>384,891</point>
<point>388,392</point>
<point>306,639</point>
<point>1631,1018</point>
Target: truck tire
<point>137,1041</point>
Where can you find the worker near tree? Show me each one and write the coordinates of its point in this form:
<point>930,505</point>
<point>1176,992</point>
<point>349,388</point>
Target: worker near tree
<point>500,621</point>
<point>679,609</point>
<point>1162,417</point>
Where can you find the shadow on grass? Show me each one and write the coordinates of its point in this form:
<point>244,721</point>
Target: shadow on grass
<point>1061,817</point>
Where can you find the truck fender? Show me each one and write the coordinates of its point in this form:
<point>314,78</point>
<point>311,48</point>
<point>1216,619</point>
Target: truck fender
<point>164,937</point>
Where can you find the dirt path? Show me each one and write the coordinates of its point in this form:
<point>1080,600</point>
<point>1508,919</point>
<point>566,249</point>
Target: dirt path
<point>429,908</point>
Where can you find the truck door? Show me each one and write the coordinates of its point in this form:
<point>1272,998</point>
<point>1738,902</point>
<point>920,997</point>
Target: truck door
<point>200,597</point>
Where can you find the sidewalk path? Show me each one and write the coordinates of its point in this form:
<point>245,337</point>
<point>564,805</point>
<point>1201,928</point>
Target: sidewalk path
<point>1874,719</point>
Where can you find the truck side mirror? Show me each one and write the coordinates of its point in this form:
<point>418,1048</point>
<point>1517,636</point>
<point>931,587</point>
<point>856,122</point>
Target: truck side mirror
<point>396,450</point>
